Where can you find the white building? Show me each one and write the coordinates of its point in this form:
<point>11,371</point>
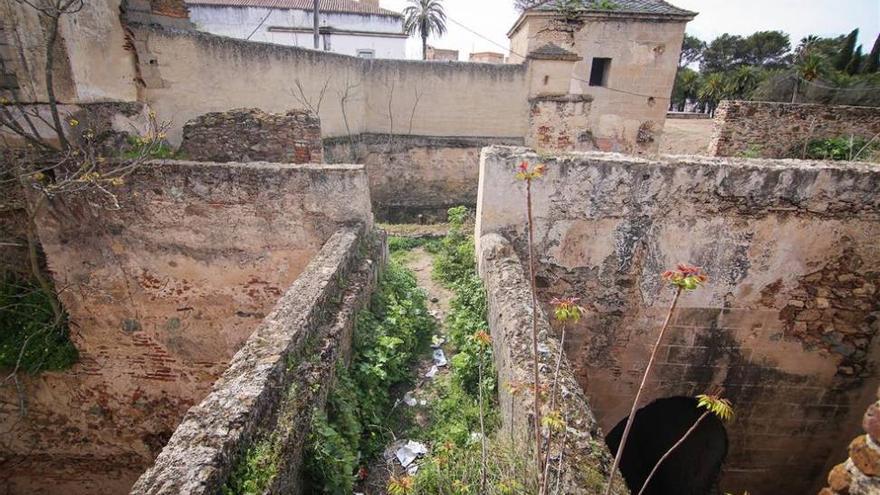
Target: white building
<point>357,28</point>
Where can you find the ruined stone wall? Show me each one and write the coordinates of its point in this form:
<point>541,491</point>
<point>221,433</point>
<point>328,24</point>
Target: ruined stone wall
<point>249,134</point>
<point>187,74</point>
<point>787,323</point>
<point>586,461</point>
<point>279,377</point>
<point>779,130</point>
<point>560,123</point>
<point>415,177</point>
<point>860,473</point>
<point>161,293</point>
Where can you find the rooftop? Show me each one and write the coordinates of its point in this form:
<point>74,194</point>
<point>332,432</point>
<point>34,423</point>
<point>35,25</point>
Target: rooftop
<point>656,7</point>
<point>336,6</point>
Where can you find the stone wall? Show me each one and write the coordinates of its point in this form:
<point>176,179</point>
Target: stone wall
<point>779,130</point>
<point>560,123</point>
<point>161,294</point>
<point>187,74</point>
<point>787,324</point>
<point>586,461</point>
<point>415,177</point>
<point>860,474</point>
<point>644,54</point>
<point>274,383</point>
<point>250,134</point>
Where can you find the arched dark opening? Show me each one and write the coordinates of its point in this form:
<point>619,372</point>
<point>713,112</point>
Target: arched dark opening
<point>692,469</point>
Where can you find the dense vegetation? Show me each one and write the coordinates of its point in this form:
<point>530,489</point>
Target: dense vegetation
<point>387,339</point>
<point>31,340</point>
<point>763,66</point>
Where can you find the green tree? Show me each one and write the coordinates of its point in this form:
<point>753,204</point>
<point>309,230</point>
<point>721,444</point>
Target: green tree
<point>768,49</point>
<point>691,50</point>
<point>742,81</point>
<point>852,68</point>
<point>687,85</point>
<point>723,53</point>
<point>425,17</point>
<point>712,91</point>
<point>847,50</point>
<point>872,62</point>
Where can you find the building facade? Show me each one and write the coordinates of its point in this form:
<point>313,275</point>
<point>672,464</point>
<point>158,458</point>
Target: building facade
<point>487,57</point>
<point>356,28</point>
<point>441,54</point>
<point>628,56</point>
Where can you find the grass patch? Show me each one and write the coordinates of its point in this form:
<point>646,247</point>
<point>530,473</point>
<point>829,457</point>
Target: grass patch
<point>29,335</point>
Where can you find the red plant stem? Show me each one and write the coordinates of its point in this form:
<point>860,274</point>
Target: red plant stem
<point>535,366</point>
<point>668,452</point>
<point>635,404</point>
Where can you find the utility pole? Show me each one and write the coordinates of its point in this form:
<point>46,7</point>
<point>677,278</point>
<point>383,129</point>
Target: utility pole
<point>315,12</point>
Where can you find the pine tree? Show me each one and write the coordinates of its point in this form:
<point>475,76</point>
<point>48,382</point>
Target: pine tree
<point>853,67</point>
<point>847,50</point>
<point>872,62</point>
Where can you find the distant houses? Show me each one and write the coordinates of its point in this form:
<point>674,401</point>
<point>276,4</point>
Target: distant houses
<point>357,28</point>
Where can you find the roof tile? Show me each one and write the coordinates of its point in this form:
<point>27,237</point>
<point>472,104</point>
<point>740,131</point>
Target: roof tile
<point>658,7</point>
<point>339,6</point>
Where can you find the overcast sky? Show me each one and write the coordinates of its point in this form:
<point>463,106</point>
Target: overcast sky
<point>492,18</point>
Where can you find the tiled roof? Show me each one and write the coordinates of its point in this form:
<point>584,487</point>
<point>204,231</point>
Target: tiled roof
<point>553,52</point>
<point>339,6</point>
<point>657,7</point>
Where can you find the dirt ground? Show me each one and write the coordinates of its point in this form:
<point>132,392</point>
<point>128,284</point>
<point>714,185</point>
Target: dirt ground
<point>686,136</point>
<point>411,422</point>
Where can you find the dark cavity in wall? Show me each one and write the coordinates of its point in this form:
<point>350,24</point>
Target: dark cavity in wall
<point>692,469</point>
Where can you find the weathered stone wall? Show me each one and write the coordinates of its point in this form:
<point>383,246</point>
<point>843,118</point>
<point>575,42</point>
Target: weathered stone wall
<point>249,134</point>
<point>91,62</point>
<point>860,474</point>
<point>274,383</point>
<point>787,324</point>
<point>187,74</point>
<point>161,294</point>
<point>586,461</point>
<point>779,130</point>
<point>415,177</point>
<point>560,123</point>
<point>644,58</point>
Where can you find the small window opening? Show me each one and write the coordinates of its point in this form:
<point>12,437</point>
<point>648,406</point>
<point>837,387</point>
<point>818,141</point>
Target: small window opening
<point>366,54</point>
<point>599,72</point>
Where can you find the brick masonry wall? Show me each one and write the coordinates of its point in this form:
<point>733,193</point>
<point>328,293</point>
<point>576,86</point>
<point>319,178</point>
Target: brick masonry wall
<point>860,474</point>
<point>560,123</point>
<point>780,130</point>
<point>250,134</point>
<point>161,294</point>
<point>787,324</point>
<point>415,177</point>
<point>273,385</point>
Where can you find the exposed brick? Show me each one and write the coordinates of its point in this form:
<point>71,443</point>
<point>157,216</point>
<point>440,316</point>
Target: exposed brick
<point>253,135</point>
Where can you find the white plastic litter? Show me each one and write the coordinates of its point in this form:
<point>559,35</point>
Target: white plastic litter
<point>409,452</point>
<point>412,469</point>
<point>409,400</point>
<point>543,349</point>
<point>439,357</point>
<point>431,372</point>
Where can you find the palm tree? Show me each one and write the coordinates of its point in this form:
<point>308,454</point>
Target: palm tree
<point>425,17</point>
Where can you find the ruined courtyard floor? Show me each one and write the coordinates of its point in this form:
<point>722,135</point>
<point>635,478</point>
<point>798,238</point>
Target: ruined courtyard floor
<point>411,422</point>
